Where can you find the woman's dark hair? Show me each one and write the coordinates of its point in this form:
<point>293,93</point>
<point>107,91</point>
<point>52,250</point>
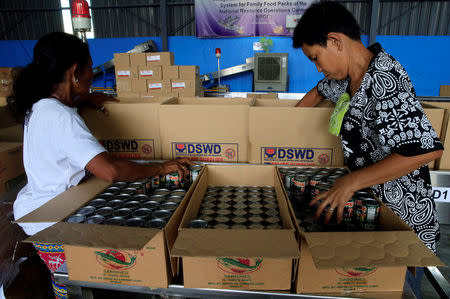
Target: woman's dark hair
<point>322,18</point>
<point>53,55</point>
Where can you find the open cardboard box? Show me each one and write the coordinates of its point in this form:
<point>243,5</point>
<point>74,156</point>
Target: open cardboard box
<point>213,258</point>
<point>205,129</point>
<point>144,250</point>
<point>131,130</point>
<point>363,261</point>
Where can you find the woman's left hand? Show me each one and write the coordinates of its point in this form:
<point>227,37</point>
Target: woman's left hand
<point>97,99</point>
<point>336,198</point>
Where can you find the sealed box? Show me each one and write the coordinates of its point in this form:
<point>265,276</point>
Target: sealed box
<point>205,129</point>
<point>139,85</point>
<point>160,58</point>
<point>158,86</point>
<point>237,258</point>
<point>130,131</point>
<point>170,72</point>
<point>105,253</point>
<point>11,165</point>
<point>126,72</point>
<point>123,85</point>
<point>444,91</point>
<point>121,60</point>
<point>127,94</point>
<point>188,72</point>
<point>137,59</point>
<point>7,75</point>
<point>186,88</point>
<point>150,72</point>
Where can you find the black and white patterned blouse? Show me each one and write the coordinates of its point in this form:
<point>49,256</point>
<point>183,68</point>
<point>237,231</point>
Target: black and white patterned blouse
<point>385,117</point>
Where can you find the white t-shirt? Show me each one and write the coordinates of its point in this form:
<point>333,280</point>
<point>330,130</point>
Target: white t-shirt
<point>57,146</point>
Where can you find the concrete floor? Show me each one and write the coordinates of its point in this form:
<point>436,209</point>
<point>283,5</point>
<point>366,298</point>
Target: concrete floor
<point>33,280</point>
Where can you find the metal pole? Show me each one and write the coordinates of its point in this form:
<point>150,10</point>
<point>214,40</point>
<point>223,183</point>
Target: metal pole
<point>373,21</point>
<point>218,73</point>
<point>164,25</point>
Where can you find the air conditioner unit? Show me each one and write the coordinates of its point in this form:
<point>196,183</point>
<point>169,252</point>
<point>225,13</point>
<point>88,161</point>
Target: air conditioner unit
<point>270,72</point>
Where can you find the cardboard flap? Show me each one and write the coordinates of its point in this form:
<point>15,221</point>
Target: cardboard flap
<point>101,236</point>
<point>236,243</point>
<point>377,248</point>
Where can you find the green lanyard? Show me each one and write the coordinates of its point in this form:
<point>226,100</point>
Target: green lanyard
<point>338,114</point>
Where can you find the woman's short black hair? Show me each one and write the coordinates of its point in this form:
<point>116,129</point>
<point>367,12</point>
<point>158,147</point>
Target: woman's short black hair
<point>53,55</point>
<point>321,18</point>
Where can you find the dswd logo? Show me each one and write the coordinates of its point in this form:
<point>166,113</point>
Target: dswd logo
<point>180,147</point>
<point>115,259</point>
<point>270,152</point>
<point>239,265</point>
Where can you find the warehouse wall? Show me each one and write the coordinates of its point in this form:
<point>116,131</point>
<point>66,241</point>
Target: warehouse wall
<point>424,57</point>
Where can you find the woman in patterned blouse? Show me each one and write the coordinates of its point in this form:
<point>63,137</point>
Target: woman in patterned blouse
<point>386,137</point>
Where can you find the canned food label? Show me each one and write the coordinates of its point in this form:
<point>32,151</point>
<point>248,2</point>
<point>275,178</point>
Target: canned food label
<point>123,74</point>
<point>153,58</point>
<point>130,148</point>
<point>207,152</point>
<point>296,156</point>
<point>146,73</point>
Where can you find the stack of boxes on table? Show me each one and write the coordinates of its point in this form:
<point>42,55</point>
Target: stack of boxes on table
<point>154,74</point>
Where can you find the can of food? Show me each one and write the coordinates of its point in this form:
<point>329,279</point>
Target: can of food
<point>119,185</point>
<point>158,198</point>
<point>221,226</point>
<point>169,206</point>
<point>151,204</point>
<point>135,222</point>
<point>256,211</point>
<point>238,226</point>
<point>208,205</point>
<point>161,214</point>
<point>226,194</point>
<point>348,210</point>
<point>270,200</point>
<point>130,191</point>
<point>212,193</point>
<point>256,205</point>
<point>77,218</point>
<point>155,223</point>
<point>370,210</point>
<point>139,186</point>
<point>123,212</point>
<point>112,190</point>
<point>288,181</point>
<point>224,199</point>
<point>143,213</point>
<point>223,205</point>
<point>240,206</point>
<point>174,199</point>
<point>161,191</point>
<point>256,219</point>
<point>268,189</point>
<point>95,219</point>
<point>106,196</point>
<point>105,211</point>
<point>223,212</point>
<point>97,203</point>
<point>213,188</point>
<point>240,193</point>
<point>256,226</point>
<point>222,219</point>
<point>254,193</point>
<point>195,171</point>
<point>178,192</point>
<point>198,223</point>
<point>207,218</point>
<point>239,200</point>
<point>123,197</point>
<point>314,181</point>
<point>239,220</point>
<point>209,198</point>
<point>271,206</point>
<point>240,212</point>
<point>269,194</point>
<point>115,221</point>
<point>207,211</point>
<point>273,219</point>
<point>271,212</point>
<point>254,188</point>
<point>227,188</point>
<point>298,187</point>
<point>274,226</point>
<point>283,171</point>
<point>140,197</point>
<point>173,180</point>
<point>240,188</point>
<point>115,203</point>
<point>132,204</point>
<point>86,210</point>
<point>254,199</point>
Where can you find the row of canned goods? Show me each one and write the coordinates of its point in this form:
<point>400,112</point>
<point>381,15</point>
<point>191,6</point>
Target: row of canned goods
<point>174,180</point>
<point>239,207</point>
<point>302,183</point>
<point>130,208</point>
<point>360,213</point>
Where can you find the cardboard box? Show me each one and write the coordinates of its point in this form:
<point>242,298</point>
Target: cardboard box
<point>205,129</point>
<point>186,88</point>
<point>269,95</point>
<point>370,261</point>
<point>11,165</point>
<point>208,255</point>
<point>150,72</point>
<point>123,85</point>
<point>131,130</point>
<point>444,91</point>
<point>158,86</point>
<point>129,72</point>
<point>438,113</point>
<point>170,72</point>
<point>127,94</point>
<point>139,85</point>
<point>159,95</point>
<point>137,59</point>
<point>121,60</point>
<point>280,133</point>
<point>92,250</point>
<point>189,72</point>
<point>160,58</point>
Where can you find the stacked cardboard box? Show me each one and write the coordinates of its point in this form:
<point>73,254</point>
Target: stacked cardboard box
<point>154,74</point>
<point>6,82</point>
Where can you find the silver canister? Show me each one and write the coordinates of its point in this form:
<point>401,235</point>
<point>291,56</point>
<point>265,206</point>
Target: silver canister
<point>254,199</point>
<point>256,211</point>
<point>240,188</point>
<point>223,205</point>
<point>162,191</point>
<point>271,212</point>
<point>115,203</point>
<point>77,218</point>
<point>198,223</point>
<point>239,199</point>
<point>222,219</point>
<point>240,206</point>
<point>238,226</point>
<point>130,191</point>
<point>256,226</point>
<point>86,210</point>
<point>221,226</point>
<point>240,212</point>
<point>223,212</point>
<point>123,197</point>
<point>256,219</point>
<point>239,220</point>
<point>226,194</point>
<point>274,226</point>
<point>161,214</point>
<point>140,197</point>
<point>254,193</point>
<point>268,188</point>
<point>97,203</point>
<point>255,205</point>
<point>240,193</point>
<point>115,221</point>
<point>207,218</point>
<point>273,219</point>
<point>209,198</point>
<point>151,204</point>
<point>123,212</point>
<point>106,196</point>
<point>135,222</point>
<point>174,199</point>
<point>139,186</point>
<point>143,213</point>
<point>271,206</point>
<point>132,204</point>
<point>114,190</point>
<point>209,205</point>
<point>120,185</point>
<point>212,187</point>
<point>156,223</point>
<point>169,206</point>
<point>178,192</point>
<point>207,212</point>
<point>224,199</point>
<point>158,198</point>
<point>105,211</point>
<point>213,193</point>
<point>95,219</point>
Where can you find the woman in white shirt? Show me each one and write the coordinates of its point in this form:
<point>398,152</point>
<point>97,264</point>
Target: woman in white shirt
<point>58,147</point>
